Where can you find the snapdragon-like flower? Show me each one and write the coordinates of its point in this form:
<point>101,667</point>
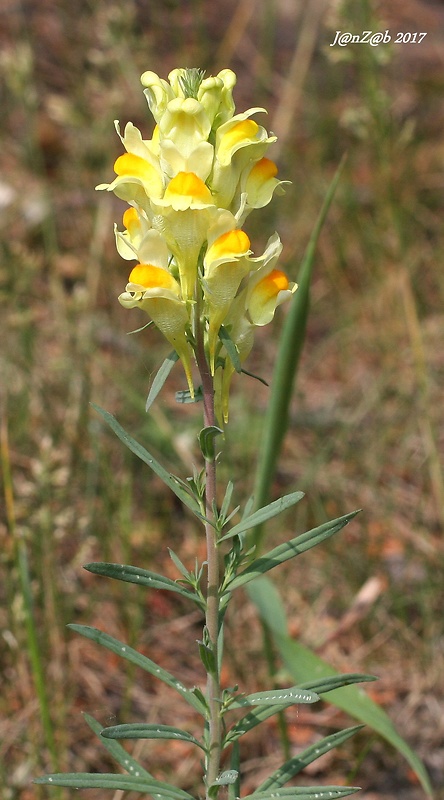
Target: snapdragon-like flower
<point>190,189</point>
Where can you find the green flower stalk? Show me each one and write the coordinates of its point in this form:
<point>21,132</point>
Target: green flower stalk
<point>190,189</point>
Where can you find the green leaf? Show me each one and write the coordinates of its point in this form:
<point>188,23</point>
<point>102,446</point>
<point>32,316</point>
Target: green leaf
<point>256,377</point>
<point>260,714</point>
<point>225,506</point>
<point>290,347</point>
<point>231,348</point>
<point>305,666</point>
<point>305,793</point>
<point>207,657</point>
<point>123,758</point>
<point>262,514</point>
<point>148,731</point>
<point>282,697</point>
<point>283,552</point>
<point>294,765</point>
<point>206,441</point>
<point>142,577</point>
<point>96,780</point>
<point>179,565</point>
<point>160,378</point>
<point>337,681</point>
<point>226,778</point>
<point>184,396</point>
<point>139,660</point>
<point>149,459</point>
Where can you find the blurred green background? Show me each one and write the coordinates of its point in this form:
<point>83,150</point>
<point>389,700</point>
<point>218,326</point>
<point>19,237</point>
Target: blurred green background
<point>366,422</point>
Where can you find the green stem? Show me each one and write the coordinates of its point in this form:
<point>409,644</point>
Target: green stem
<point>213,600</point>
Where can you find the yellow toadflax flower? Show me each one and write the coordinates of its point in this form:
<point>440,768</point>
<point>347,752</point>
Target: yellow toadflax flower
<point>190,189</point>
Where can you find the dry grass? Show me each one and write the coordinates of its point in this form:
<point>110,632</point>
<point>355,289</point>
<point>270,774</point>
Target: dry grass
<point>366,426</point>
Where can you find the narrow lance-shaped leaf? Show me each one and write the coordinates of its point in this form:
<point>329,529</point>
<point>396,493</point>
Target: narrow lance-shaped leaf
<point>253,719</point>
<point>294,765</point>
<point>123,758</point>
<point>226,778</point>
<point>231,348</point>
<point>294,547</point>
<point>140,730</point>
<point>149,459</point>
<point>129,783</point>
<point>139,660</point>
<point>291,343</point>
<point>324,685</point>
<point>142,577</point>
<point>262,514</point>
<point>305,793</point>
<point>160,378</point>
<point>291,696</point>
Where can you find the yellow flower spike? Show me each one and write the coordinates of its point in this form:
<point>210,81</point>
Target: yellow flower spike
<point>268,293</point>
<point>190,187</point>
<point>154,290</point>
